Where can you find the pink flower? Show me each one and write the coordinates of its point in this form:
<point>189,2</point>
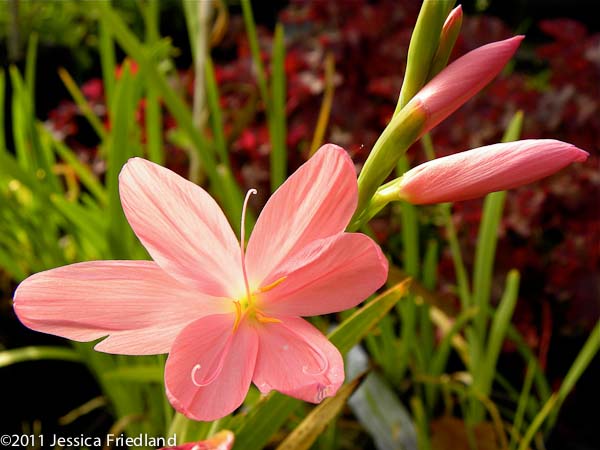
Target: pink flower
<point>478,172</point>
<point>462,79</point>
<point>226,316</point>
<point>223,440</point>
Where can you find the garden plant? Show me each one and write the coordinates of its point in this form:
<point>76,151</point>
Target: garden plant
<point>244,255</point>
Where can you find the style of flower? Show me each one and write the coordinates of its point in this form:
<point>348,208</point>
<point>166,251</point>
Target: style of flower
<point>477,172</point>
<point>225,314</point>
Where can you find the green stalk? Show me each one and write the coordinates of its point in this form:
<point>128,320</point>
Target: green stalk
<point>154,127</point>
<point>422,48</point>
<point>397,137</point>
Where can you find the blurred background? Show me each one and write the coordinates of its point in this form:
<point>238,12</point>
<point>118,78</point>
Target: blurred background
<point>353,51</point>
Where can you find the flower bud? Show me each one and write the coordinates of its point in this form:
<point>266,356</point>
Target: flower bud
<point>462,79</point>
<point>475,173</point>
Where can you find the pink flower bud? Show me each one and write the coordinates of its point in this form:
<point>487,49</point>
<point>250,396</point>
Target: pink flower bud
<point>462,79</point>
<point>478,172</point>
<point>455,17</point>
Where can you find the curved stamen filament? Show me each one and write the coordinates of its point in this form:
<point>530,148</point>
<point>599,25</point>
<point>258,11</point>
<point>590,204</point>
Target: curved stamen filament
<point>318,354</point>
<point>212,376</point>
<point>242,243</point>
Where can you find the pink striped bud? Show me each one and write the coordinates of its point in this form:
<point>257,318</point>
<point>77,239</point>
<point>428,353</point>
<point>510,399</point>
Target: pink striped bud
<point>448,36</point>
<point>462,79</point>
<point>478,172</point>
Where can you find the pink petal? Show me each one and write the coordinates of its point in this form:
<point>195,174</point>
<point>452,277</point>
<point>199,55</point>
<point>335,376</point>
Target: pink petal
<point>295,359</point>
<point>316,202</point>
<point>208,353</point>
<point>330,275</point>
<point>182,227</point>
<point>462,79</point>
<point>135,303</point>
<point>477,172</point>
<point>223,440</point>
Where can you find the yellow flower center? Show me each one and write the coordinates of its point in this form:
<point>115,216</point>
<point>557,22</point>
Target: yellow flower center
<point>246,307</point>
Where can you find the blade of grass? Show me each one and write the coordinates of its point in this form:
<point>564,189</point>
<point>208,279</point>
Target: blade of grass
<point>277,113</point>
<point>422,425</point>
<point>119,150</point>
<point>582,361</point>
<point>537,422</point>
<point>154,127</point>
<point>37,353</point>
<point>82,103</point>
<point>482,381</point>
<point>85,174</point>
<point>259,70</point>
<point>522,405</point>
<point>30,66</point>
<point>3,148</point>
<point>106,48</point>
<point>137,374</point>
<point>325,110</point>
<point>214,108</point>
<point>483,269</point>
<point>307,432</point>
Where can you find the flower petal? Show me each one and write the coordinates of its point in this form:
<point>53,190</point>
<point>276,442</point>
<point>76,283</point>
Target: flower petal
<point>316,202</point>
<point>330,275</point>
<point>296,359</point>
<point>223,440</point>
<point>182,227</point>
<point>136,303</point>
<point>209,369</point>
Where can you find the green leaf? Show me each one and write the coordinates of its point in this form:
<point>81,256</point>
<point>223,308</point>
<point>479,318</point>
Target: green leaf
<point>37,353</point>
<point>2,95</point>
<point>120,149</point>
<point>352,330</point>
<point>484,374</point>
<point>255,50</point>
<point>584,358</point>
<point>307,432</point>
<point>136,374</point>
<point>85,174</point>
<point>82,103</point>
<point>277,114</point>
<point>379,410</point>
<point>30,65</point>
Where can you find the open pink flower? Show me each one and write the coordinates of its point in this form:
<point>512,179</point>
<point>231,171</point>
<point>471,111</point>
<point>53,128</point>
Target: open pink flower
<point>226,316</point>
<point>482,170</point>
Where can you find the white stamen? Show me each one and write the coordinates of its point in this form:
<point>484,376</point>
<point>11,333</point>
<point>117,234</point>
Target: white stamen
<point>242,240</point>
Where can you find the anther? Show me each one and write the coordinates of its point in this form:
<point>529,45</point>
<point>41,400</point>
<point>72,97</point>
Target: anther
<point>268,287</point>
<point>238,315</point>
